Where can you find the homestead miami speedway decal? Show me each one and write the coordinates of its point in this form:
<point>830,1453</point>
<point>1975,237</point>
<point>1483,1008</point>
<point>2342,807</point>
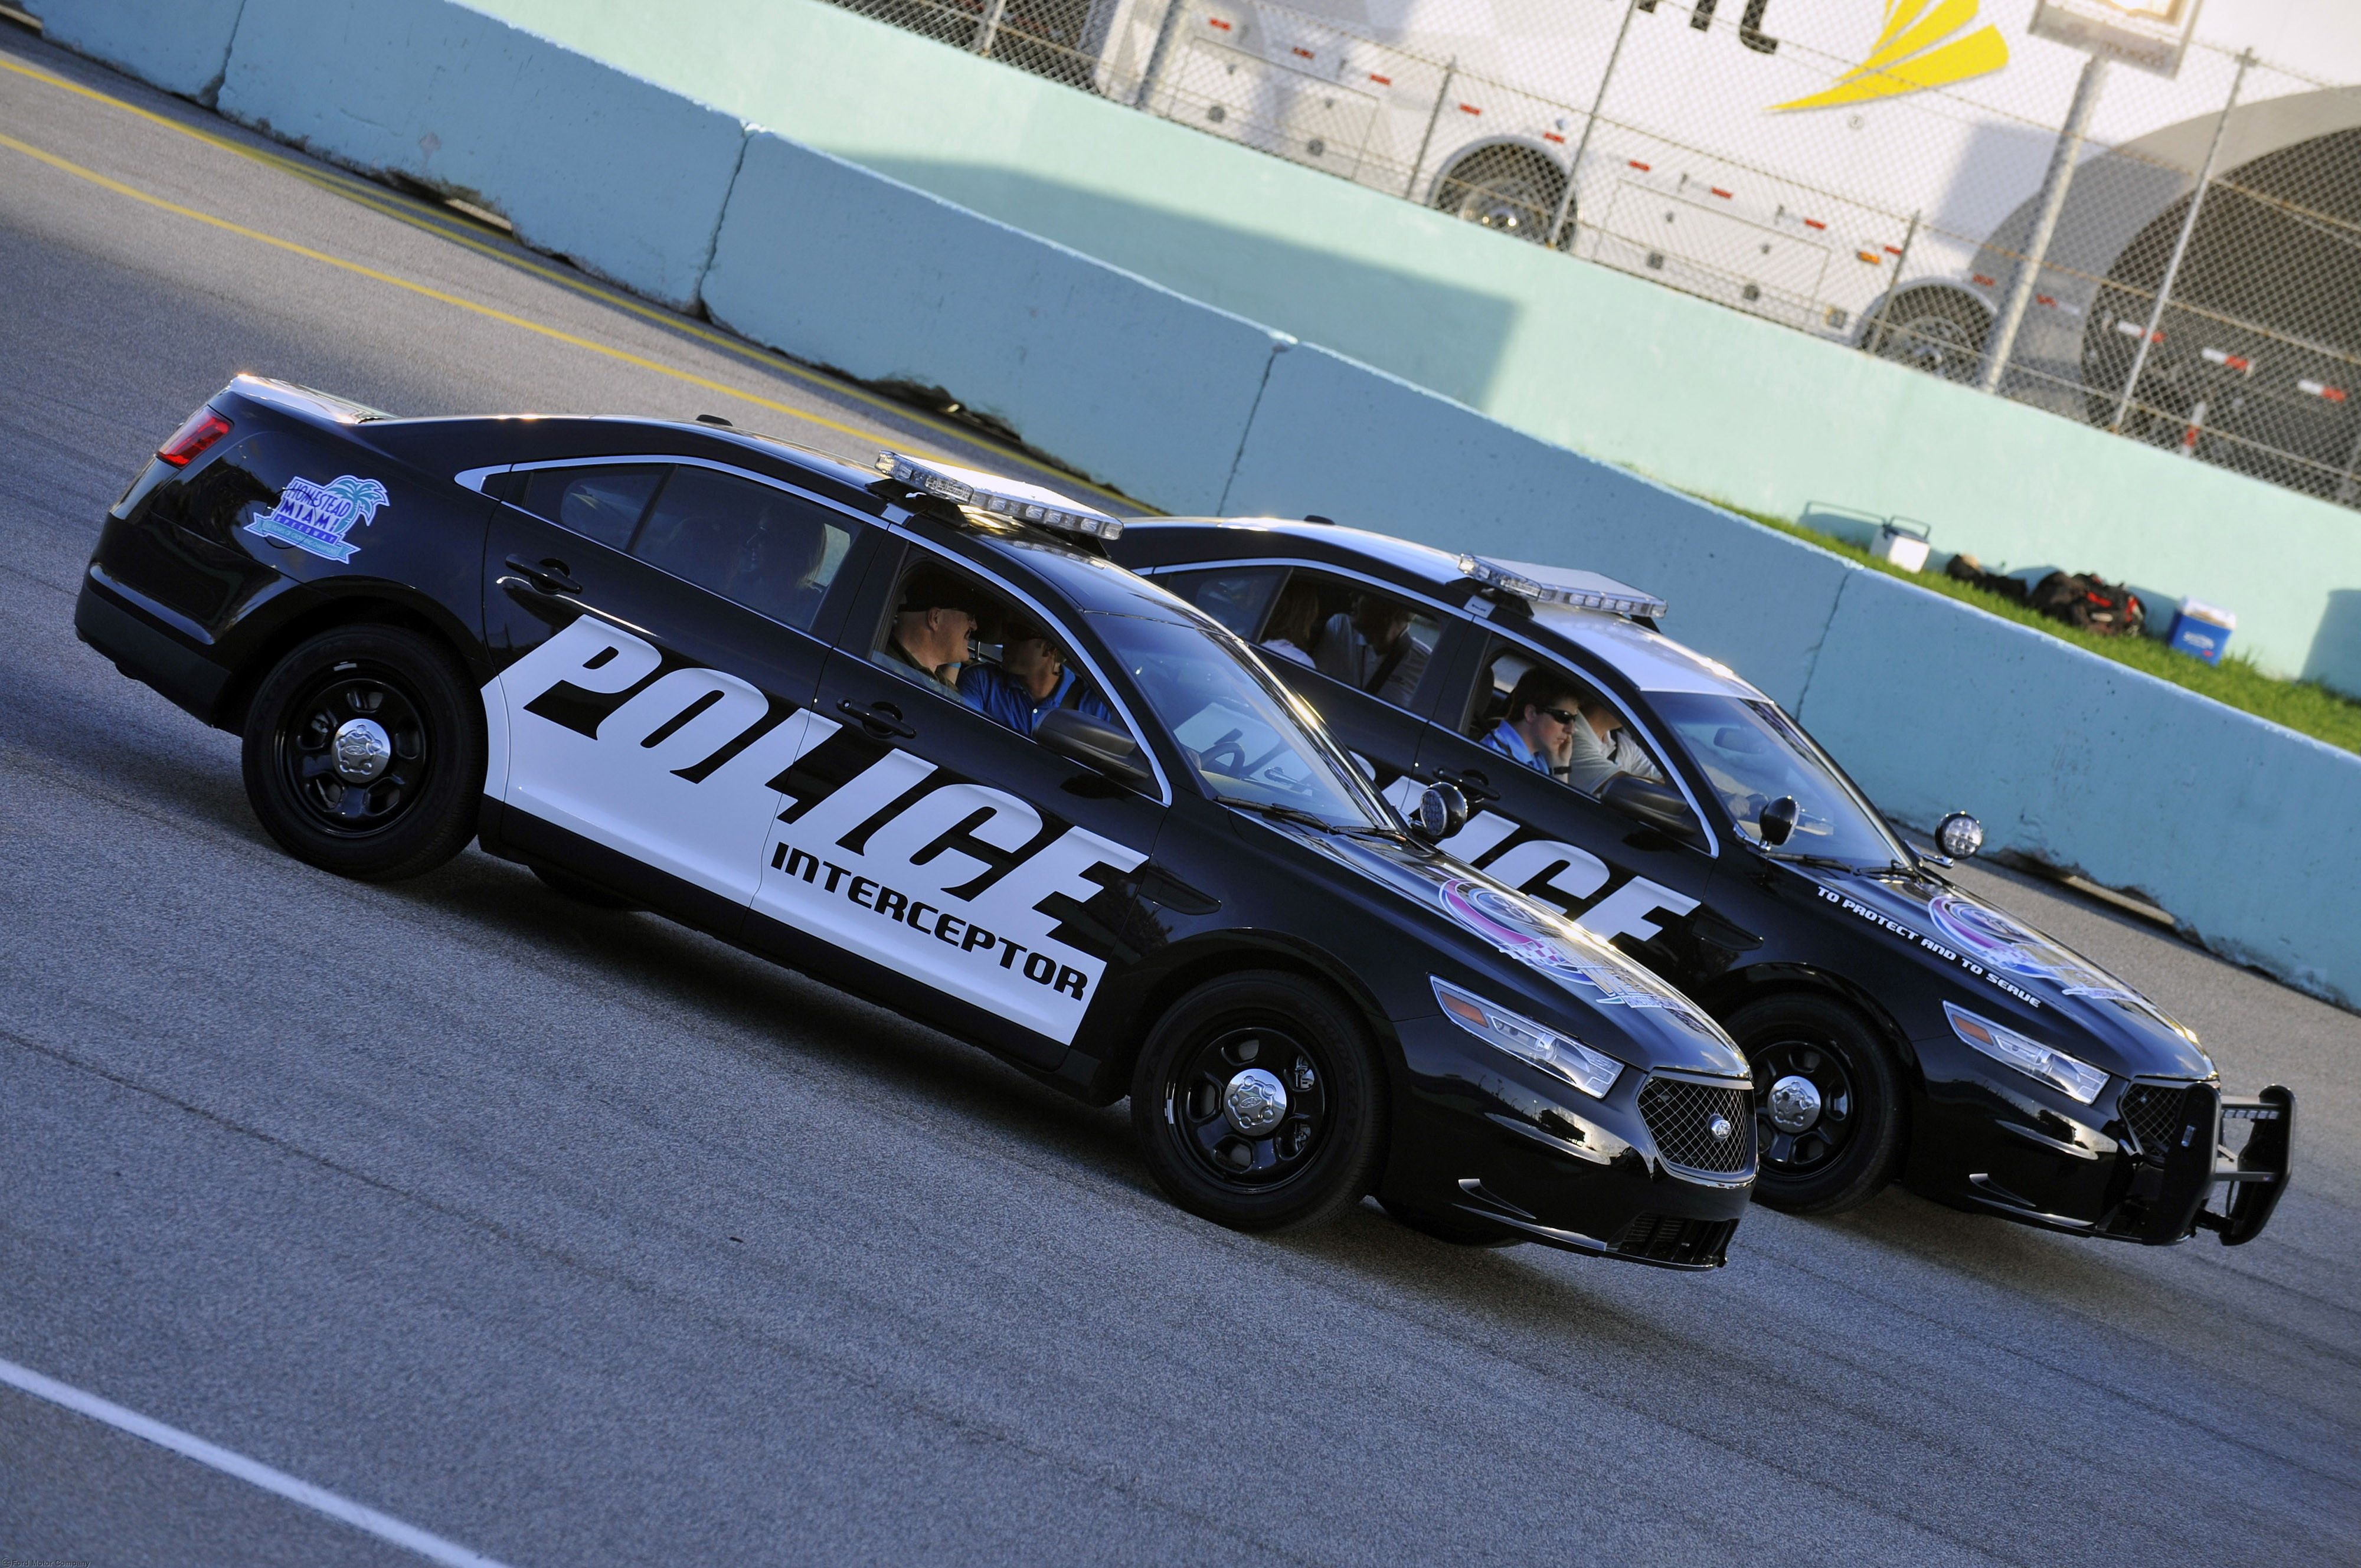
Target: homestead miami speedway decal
<point>1531,936</point>
<point>1994,939</point>
<point>696,772</point>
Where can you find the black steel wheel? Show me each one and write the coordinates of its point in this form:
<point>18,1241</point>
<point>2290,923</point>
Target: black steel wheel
<point>365,753</point>
<point>1827,1104</point>
<point>1258,1103</point>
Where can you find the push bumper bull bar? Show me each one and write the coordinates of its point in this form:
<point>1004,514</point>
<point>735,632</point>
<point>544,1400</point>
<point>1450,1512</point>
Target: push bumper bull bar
<point>2196,1162</point>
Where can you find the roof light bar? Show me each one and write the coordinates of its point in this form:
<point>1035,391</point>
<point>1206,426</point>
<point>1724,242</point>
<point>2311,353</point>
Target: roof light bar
<point>999,497</point>
<point>1562,585</point>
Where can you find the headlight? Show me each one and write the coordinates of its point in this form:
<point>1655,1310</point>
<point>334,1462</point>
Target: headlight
<point>2075,1079</point>
<point>1528,1041</point>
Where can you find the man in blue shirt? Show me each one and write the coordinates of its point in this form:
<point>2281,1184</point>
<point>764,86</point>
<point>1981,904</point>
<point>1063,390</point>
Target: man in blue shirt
<point>1030,679</point>
<point>1537,731</point>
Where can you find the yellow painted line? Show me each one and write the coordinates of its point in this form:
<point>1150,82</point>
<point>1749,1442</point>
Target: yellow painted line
<point>458,301</point>
<point>456,231</point>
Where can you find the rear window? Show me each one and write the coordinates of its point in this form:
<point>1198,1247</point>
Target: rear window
<point>603,502</point>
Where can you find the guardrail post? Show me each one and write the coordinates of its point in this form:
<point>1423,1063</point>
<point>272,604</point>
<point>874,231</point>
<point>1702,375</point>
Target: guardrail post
<point>1409,187</point>
<point>2181,245</point>
<point>2002,341</point>
<point>1598,102</point>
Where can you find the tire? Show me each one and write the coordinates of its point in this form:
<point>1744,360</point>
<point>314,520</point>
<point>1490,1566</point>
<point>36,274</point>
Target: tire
<point>1452,1230</point>
<point>420,808</point>
<point>1323,1151</point>
<point>1848,1151</point>
<point>1939,331</point>
<point>1505,190</point>
<point>565,884</point>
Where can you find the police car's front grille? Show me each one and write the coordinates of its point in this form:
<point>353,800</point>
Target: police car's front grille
<point>2152,1111</point>
<point>1668,1238</point>
<point>1683,1116</point>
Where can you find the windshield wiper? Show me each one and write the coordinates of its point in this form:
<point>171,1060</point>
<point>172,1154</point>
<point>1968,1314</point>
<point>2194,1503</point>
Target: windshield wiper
<point>1799,857</point>
<point>1284,813</point>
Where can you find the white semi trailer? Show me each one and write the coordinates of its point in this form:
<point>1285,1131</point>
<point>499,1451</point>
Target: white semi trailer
<point>1782,156</point>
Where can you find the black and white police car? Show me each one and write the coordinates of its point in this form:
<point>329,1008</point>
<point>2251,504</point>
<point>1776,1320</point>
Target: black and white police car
<point>1896,1024</point>
<point>711,674</point>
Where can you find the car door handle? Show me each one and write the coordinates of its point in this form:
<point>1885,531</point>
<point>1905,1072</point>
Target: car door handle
<point>549,576</point>
<point>1470,784</point>
<point>879,717</point>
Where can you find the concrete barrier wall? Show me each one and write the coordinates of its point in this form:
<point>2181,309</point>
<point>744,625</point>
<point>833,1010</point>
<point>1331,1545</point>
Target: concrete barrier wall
<point>842,268</point>
<point>182,49</point>
<point>2249,834</point>
<point>1703,398</point>
<point>623,178</point>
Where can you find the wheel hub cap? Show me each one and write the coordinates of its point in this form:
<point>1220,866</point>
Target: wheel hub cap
<point>1794,1104</point>
<point>362,751</point>
<point>1255,1102</point>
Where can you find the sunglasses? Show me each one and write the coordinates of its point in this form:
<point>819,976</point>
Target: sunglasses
<point>1563,716</point>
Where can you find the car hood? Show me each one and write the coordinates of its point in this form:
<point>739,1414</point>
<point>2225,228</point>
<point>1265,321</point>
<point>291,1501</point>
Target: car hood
<point>2022,976</point>
<point>1553,956</point>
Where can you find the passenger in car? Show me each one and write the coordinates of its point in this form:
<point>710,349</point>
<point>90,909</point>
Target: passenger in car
<point>1371,649</point>
<point>1537,731</point>
<point>1030,679</point>
<point>777,570</point>
<point>931,629</point>
<point>1292,620</point>
<point>1601,748</point>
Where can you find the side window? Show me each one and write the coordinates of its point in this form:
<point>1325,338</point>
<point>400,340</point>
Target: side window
<point>600,501</point>
<point>1371,641</point>
<point>949,630</point>
<point>775,552</point>
<point>1237,596</point>
<point>1544,717</point>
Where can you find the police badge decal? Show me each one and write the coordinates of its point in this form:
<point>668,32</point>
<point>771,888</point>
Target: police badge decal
<point>317,517</point>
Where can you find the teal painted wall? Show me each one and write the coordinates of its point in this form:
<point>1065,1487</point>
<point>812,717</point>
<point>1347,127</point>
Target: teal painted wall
<point>1702,398</point>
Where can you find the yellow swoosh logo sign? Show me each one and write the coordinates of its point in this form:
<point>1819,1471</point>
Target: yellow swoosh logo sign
<point>1909,54</point>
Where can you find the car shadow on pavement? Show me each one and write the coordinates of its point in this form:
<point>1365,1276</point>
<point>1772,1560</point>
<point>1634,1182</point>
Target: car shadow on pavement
<point>752,1005</point>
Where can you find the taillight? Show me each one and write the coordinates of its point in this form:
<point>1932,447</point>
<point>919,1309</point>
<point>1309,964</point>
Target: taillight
<point>203,428</point>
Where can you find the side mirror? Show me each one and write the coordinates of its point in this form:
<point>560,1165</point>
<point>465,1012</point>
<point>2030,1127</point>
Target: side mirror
<point>1656,804</point>
<point>1095,743</point>
<point>1777,822</point>
<point>1960,835</point>
<point>1441,811</point>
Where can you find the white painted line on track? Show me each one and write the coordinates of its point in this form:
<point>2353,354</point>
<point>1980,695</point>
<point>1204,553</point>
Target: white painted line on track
<point>383,1526</point>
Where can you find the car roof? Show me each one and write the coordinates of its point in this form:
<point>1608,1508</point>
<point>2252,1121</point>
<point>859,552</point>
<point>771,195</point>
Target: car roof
<point>1649,660</point>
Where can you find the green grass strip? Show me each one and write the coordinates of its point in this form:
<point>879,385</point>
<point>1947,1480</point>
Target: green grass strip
<point>2305,707</point>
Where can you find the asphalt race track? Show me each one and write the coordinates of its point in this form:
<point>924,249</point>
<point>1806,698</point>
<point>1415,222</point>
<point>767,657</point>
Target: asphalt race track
<point>574,1238</point>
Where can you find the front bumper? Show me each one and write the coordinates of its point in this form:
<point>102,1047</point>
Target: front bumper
<point>1481,1136</point>
<point>2154,1163</point>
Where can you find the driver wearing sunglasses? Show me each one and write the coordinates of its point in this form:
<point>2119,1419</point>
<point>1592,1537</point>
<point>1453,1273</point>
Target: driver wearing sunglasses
<point>1537,731</point>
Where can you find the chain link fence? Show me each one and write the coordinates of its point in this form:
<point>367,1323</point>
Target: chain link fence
<point>1864,171</point>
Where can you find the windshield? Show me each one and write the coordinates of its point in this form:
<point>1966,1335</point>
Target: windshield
<point>1240,728</point>
<point>1754,753</point>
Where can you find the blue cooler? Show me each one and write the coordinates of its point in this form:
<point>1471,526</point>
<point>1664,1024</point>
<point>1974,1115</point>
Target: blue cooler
<point>2201,629</point>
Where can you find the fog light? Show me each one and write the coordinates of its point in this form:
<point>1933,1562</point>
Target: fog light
<point>1960,835</point>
